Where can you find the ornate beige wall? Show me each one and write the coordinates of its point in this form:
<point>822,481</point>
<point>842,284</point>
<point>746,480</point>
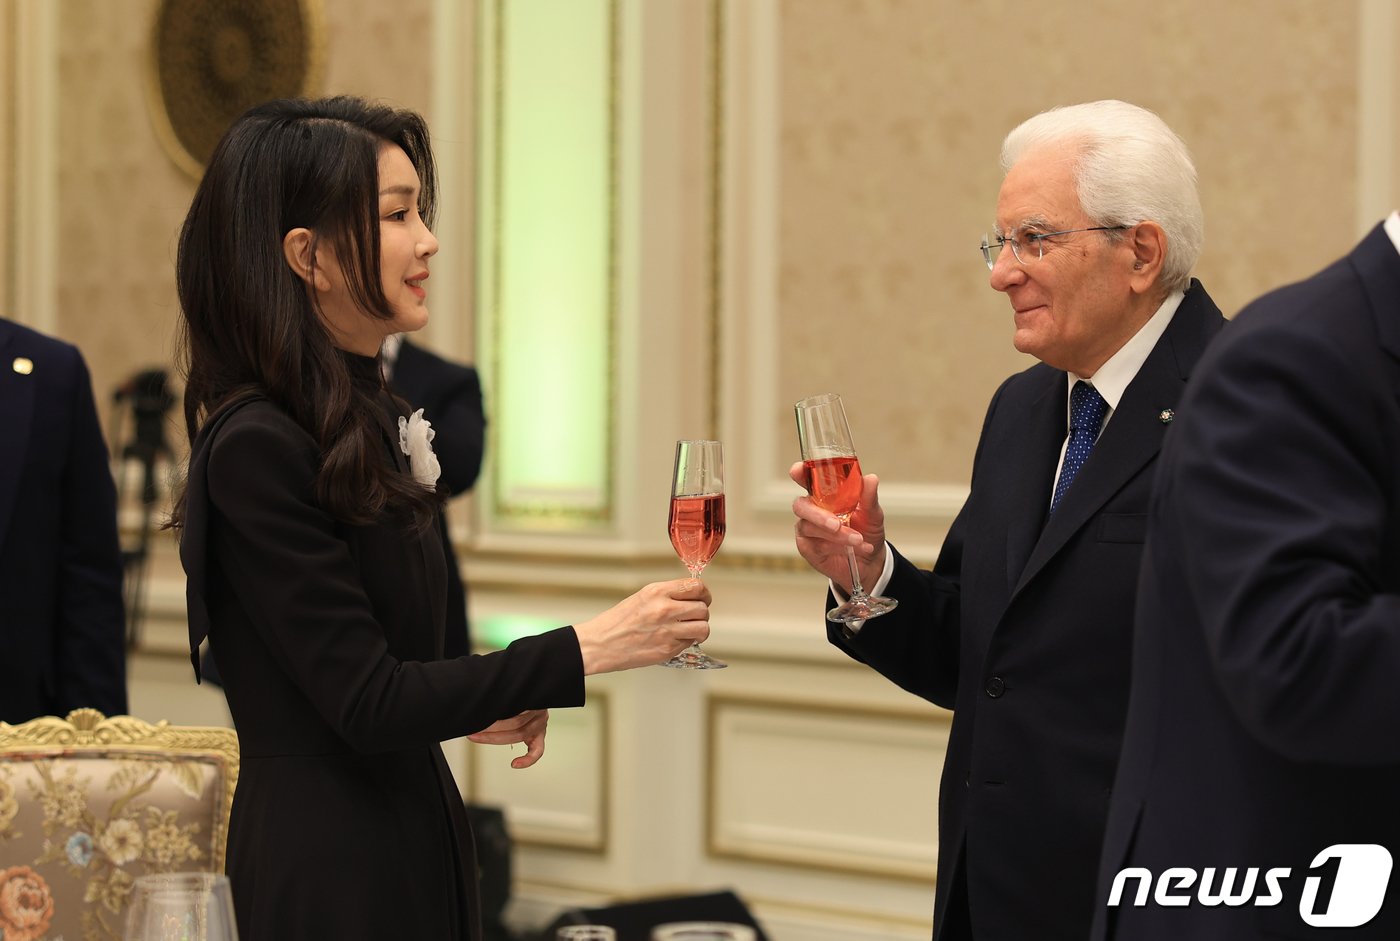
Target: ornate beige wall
<point>381,50</point>
<point>121,199</point>
<point>855,169</point>
<point>892,117</point>
<point>8,38</point>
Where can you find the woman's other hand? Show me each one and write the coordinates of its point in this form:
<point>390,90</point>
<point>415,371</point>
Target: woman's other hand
<point>528,728</point>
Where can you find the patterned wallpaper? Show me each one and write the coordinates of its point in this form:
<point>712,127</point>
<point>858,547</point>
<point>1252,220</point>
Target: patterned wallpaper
<point>381,50</point>
<point>893,113</point>
<point>122,199</point>
<point>8,38</point>
<point>891,116</point>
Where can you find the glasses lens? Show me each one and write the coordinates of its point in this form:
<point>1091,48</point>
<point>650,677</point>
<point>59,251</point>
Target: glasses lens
<point>988,251</point>
<point>992,246</point>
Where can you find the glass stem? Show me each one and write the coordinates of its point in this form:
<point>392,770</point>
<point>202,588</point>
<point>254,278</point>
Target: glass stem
<point>857,592</point>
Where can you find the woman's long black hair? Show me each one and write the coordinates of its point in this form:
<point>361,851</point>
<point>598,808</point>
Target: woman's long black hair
<point>249,325</point>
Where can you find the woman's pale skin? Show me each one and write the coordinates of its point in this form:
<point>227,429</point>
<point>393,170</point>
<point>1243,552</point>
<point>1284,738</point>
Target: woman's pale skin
<point>651,626</point>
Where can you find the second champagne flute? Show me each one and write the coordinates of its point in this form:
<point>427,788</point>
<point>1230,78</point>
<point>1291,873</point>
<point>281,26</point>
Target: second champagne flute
<point>697,524</point>
<point>834,482</point>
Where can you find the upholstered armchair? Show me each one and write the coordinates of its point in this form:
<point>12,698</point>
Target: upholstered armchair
<point>88,803</point>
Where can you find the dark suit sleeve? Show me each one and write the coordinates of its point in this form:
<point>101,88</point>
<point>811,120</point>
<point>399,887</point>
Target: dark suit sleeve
<point>915,645</point>
<point>282,558</point>
<point>90,634</point>
<point>1277,503</point>
<point>918,644</point>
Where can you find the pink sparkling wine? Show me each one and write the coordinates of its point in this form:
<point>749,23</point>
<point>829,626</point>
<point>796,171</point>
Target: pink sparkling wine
<point>697,529</point>
<point>834,483</point>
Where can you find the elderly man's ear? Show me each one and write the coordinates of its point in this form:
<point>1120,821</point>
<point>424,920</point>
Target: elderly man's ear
<point>1149,245</point>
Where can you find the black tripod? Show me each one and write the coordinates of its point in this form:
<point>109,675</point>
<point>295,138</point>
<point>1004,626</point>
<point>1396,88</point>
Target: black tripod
<point>146,397</point>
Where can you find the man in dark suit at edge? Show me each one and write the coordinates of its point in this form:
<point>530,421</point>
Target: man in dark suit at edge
<point>1263,730</point>
<point>1023,627</point>
<point>62,624</point>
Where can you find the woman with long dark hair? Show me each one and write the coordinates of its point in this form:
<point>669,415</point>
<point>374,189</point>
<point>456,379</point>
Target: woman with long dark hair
<point>310,533</point>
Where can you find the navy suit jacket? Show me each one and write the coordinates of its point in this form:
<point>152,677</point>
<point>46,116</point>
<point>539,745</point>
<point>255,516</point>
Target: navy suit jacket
<point>1023,628</point>
<point>1264,723</point>
<point>62,626</point>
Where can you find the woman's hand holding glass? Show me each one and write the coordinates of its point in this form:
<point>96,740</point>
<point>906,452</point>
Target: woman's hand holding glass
<point>648,628</point>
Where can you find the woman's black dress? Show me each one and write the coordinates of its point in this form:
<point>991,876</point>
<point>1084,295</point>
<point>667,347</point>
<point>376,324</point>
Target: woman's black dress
<point>346,820</point>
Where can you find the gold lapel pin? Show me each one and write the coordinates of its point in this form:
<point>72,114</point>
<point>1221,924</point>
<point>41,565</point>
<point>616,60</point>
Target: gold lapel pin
<point>1165,416</point>
<point>22,365</point>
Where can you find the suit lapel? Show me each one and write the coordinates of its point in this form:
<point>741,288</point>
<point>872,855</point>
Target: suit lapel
<point>1134,433</point>
<point>1029,501</point>
<point>16,415</point>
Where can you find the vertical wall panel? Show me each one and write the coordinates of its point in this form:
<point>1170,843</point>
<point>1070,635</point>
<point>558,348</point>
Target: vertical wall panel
<point>548,272</point>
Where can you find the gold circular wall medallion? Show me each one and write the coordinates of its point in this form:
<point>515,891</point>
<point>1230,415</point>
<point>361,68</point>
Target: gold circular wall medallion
<point>211,60</point>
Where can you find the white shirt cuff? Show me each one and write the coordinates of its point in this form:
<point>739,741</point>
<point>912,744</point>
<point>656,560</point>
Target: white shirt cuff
<point>881,583</point>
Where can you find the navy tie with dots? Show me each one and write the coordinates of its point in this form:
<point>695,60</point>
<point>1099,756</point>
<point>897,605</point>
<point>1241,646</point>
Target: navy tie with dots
<point>1086,412</point>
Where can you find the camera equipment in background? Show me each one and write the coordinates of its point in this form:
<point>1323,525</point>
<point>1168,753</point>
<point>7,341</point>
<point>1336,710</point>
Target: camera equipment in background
<point>138,435</point>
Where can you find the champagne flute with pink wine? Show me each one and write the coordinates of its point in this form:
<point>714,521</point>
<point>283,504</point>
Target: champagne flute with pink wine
<point>834,483</point>
<point>697,523</point>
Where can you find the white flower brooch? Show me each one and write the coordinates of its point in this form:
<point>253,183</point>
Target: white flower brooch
<point>416,440</point>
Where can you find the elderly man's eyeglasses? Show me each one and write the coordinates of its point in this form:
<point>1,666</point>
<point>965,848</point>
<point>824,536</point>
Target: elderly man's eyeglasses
<point>1031,247</point>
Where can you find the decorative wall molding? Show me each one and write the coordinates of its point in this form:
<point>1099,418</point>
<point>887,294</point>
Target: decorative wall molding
<point>789,780</point>
<point>1378,150</point>
<point>562,802</point>
<point>749,188</point>
<point>34,199</point>
<point>540,341</point>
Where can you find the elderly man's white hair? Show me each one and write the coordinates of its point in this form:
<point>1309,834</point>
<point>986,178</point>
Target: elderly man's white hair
<point>1131,168</point>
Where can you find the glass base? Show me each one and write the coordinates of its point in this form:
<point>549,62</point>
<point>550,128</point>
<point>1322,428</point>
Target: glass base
<point>855,612</point>
<point>693,658</point>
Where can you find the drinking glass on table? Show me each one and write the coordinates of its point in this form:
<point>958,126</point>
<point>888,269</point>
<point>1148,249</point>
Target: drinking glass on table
<point>703,931</point>
<point>697,524</point>
<point>586,933</point>
<point>834,483</point>
<point>180,906</point>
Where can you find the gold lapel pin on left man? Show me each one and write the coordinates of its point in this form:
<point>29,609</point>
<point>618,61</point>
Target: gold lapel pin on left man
<point>23,365</point>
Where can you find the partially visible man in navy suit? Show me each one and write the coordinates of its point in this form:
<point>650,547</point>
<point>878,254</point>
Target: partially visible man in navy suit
<point>1024,625</point>
<point>1263,727</point>
<point>62,625</point>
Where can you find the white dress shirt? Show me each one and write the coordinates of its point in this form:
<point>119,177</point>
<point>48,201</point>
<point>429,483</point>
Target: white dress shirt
<point>1392,228</point>
<point>1111,381</point>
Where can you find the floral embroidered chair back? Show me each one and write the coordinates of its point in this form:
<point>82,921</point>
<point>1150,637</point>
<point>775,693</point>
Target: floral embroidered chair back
<point>89,803</point>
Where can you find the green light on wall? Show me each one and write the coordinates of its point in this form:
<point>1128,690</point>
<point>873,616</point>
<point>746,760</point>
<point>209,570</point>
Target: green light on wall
<point>551,248</point>
<point>499,631</point>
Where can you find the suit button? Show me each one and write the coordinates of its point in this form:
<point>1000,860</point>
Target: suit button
<point>995,687</point>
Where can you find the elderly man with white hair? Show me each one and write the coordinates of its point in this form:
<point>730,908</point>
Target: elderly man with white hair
<point>1024,626</point>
